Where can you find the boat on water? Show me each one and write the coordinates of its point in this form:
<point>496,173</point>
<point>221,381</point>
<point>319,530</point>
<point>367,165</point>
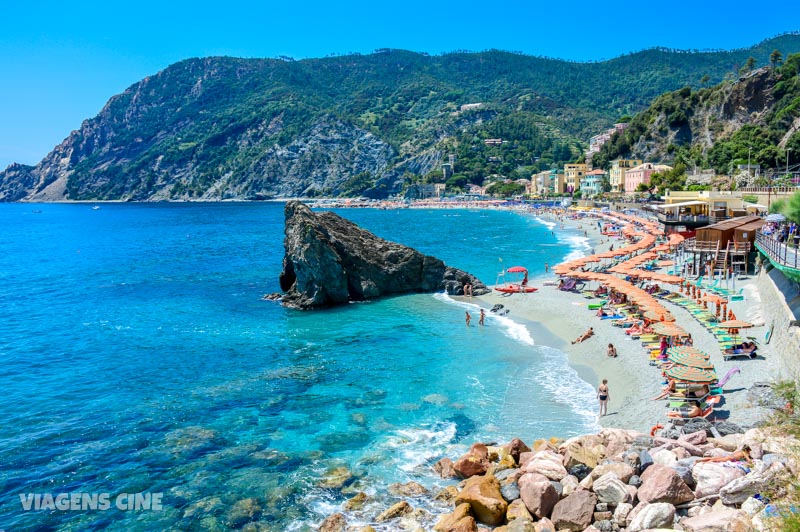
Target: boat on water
<point>514,286</point>
<point>96,208</point>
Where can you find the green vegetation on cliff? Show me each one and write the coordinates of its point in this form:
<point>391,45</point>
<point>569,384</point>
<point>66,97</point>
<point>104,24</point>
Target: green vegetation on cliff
<point>219,128</point>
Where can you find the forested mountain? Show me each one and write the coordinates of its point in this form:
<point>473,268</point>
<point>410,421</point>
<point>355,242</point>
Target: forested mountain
<point>218,128</point>
<point>755,118</point>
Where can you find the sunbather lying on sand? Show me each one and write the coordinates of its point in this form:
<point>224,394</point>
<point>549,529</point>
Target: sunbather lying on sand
<point>584,336</point>
<point>742,455</point>
<point>668,389</point>
<point>690,412</point>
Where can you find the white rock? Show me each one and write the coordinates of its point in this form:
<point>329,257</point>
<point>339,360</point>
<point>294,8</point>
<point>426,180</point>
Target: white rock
<point>656,515</point>
<point>621,514</point>
<point>712,477</point>
<point>752,506</point>
<point>610,489</point>
<point>665,458</point>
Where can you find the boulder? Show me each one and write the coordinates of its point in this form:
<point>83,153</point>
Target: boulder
<point>516,447</point>
<point>518,510</point>
<point>445,469</point>
<point>729,443</point>
<point>656,515</point>
<point>726,520</point>
<point>739,490</point>
<point>622,470</point>
<point>621,514</point>
<point>329,260</point>
<point>587,450</point>
<point>484,497</point>
<point>665,458</point>
<point>546,463</point>
<point>711,477</point>
<point>538,494</point>
<point>409,489</point>
<point>475,462</point>
<point>518,525</point>
<point>333,523</point>
<point>580,471</point>
<point>694,438</point>
<point>243,511</point>
<point>510,491</point>
<point>458,520</point>
<point>544,525</point>
<point>663,485</point>
<point>393,512</point>
<point>447,494</point>
<point>356,502</point>
<point>574,512</point>
<point>610,489</point>
<point>752,506</point>
<point>568,485</point>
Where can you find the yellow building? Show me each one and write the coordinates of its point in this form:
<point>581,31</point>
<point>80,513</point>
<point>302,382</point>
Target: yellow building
<point>573,175</point>
<point>616,176</point>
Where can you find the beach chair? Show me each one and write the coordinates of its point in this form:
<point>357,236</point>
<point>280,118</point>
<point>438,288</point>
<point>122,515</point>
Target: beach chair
<point>682,413</point>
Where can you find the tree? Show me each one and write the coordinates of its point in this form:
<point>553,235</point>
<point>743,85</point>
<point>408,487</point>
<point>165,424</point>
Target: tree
<point>775,58</point>
<point>749,65</point>
<point>704,80</point>
<point>792,208</point>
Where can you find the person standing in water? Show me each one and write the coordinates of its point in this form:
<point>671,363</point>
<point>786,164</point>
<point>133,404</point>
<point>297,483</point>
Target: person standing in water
<point>603,396</point>
<point>483,316</point>
<point>468,318</point>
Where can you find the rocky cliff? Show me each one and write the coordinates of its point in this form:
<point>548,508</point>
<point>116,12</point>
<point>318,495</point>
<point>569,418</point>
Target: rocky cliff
<point>226,128</point>
<point>330,261</point>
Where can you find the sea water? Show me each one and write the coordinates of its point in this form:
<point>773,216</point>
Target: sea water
<point>137,357</point>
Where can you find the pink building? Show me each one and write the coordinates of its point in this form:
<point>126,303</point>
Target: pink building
<point>641,174</point>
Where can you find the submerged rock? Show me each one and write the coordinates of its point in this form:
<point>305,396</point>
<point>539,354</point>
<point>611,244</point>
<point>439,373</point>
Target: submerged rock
<point>330,261</point>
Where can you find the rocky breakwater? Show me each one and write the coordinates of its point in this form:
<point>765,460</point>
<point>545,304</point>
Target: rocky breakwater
<point>616,480</point>
<point>330,261</point>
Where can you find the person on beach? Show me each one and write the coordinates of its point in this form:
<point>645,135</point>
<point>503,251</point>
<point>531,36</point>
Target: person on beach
<point>483,316</point>
<point>468,289</point>
<point>584,336</point>
<point>469,318</point>
<point>604,397</point>
<point>611,351</point>
<point>668,389</point>
<point>688,342</point>
<point>741,455</point>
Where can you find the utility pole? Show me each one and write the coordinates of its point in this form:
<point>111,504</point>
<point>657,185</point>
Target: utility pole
<point>749,149</point>
<point>787,160</point>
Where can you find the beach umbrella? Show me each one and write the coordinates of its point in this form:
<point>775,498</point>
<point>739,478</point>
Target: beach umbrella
<point>734,324</point>
<point>687,350</point>
<point>691,361</point>
<point>659,316</point>
<point>665,328</point>
<point>689,374</point>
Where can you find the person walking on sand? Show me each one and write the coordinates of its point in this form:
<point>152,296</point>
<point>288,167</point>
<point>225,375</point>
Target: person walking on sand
<point>469,318</point>
<point>483,316</point>
<point>604,397</point>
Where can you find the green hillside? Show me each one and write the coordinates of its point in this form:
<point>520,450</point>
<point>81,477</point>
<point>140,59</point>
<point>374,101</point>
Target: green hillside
<point>220,128</point>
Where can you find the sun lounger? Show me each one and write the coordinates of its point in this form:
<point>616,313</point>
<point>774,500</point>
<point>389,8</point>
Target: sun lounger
<point>683,413</point>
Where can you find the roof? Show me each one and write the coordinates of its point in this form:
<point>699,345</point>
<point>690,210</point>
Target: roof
<point>682,204</point>
<point>751,226</point>
<point>732,223</point>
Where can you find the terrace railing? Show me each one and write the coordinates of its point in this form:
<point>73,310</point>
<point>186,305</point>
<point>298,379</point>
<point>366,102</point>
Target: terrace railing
<point>779,253</point>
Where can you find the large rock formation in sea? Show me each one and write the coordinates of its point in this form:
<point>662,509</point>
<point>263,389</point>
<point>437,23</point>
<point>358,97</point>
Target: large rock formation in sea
<point>330,261</point>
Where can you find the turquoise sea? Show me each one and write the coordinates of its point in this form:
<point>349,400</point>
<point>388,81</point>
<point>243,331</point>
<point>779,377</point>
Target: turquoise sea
<point>136,356</point>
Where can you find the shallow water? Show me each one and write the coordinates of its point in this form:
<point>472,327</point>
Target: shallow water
<point>137,357</point>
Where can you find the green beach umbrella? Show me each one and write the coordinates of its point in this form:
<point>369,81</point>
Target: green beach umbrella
<point>687,350</point>
<point>667,328</point>
<point>688,374</point>
<point>692,361</point>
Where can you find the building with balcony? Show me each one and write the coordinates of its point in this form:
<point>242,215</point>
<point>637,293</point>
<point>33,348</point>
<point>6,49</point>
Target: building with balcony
<point>698,208</point>
<point>573,174</point>
<point>593,182</point>
<point>640,175</point>
<point>616,175</point>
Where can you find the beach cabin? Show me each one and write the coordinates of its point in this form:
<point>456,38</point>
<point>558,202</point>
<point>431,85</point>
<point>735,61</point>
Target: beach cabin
<point>723,232</point>
<point>747,232</point>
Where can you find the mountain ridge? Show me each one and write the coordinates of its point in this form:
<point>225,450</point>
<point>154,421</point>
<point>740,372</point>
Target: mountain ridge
<point>230,128</point>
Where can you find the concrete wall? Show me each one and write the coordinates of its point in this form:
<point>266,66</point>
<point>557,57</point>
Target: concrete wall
<point>780,300</point>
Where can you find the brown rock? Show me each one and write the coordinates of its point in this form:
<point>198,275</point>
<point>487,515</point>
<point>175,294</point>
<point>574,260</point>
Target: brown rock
<point>517,510</point>
<point>460,520</point>
<point>587,450</point>
<point>711,478</point>
<point>483,496</point>
<point>575,512</point>
<point>356,502</point>
<point>516,447</point>
<point>447,494</point>
<point>475,462</point>
<point>695,438</point>
<point>333,523</point>
<point>726,520</point>
<point>623,471</point>
<point>409,489</point>
<point>538,494</point>
<point>602,516</point>
<point>445,468</point>
<point>663,484</point>
<point>395,511</point>
<point>544,525</point>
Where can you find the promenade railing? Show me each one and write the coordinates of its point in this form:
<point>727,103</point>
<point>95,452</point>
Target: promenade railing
<point>778,252</point>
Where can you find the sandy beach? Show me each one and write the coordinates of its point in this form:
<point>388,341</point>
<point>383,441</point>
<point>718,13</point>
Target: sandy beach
<point>632,380</point>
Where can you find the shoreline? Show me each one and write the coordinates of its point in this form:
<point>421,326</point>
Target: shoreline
<point>559,317</point>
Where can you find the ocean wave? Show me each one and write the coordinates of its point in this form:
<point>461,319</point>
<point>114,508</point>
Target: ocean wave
<point>558,377</point>
<point>509,327</point>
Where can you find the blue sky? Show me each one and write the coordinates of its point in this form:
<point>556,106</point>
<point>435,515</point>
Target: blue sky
<point>60,62</point>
